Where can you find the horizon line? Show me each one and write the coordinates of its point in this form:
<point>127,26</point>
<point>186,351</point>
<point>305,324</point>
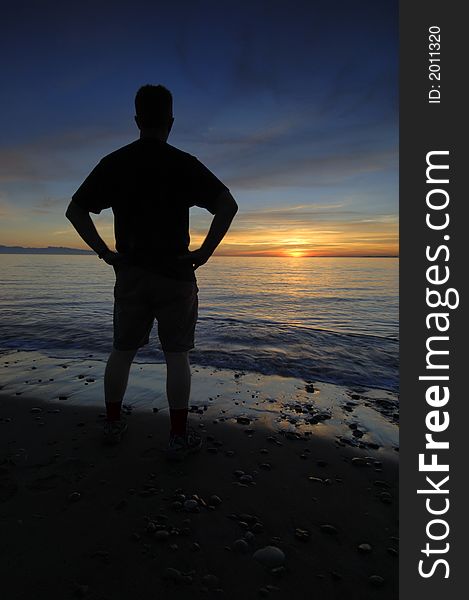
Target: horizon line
<point>83,251</point>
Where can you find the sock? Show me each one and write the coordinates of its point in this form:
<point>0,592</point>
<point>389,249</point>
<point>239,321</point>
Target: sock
<point>113,411</point>
<point>178,418</point>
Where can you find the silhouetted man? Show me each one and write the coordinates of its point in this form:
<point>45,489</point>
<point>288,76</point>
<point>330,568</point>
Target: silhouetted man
<point>150,186</point>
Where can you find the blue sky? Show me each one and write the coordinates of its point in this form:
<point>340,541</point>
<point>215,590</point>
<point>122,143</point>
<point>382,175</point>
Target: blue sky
<point>294,105</point>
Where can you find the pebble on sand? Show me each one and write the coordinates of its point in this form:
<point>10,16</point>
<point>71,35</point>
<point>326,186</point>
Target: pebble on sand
<point>302,534</point>
<point>385,497</point>
<point>246,478</point>
<point>240,546</point>
<point>191,506</point>
<point>376,580</point>
<point>249,537</point>
<point>270,557</point>
<point>330,529</point>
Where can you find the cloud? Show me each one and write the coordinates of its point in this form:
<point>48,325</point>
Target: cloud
<point>62,232</point>
<point>10,211</point>
<point>309,229</point>
<point>308,171</point>
<point>6,210</point>
<point>293,215</point>
<point>294,149</point>
<point>56,157</point>
<point>304,219</point>
<point>49,205</point>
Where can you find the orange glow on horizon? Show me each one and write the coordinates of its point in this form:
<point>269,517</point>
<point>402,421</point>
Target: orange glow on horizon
<point>295,253</point>
<point>270,239</point>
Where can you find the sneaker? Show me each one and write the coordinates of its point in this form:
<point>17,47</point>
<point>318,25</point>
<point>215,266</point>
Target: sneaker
<point>180,446</point>
<point>113,431</point>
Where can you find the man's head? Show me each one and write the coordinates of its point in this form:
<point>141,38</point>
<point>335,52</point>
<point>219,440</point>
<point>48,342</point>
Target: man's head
<point>154,109</point>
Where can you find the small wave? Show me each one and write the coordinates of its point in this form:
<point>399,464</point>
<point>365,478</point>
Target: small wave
<point>298,326</point>
<point>265,347</point>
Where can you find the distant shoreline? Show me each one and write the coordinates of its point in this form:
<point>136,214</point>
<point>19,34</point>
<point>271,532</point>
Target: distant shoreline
<point>48,250</point>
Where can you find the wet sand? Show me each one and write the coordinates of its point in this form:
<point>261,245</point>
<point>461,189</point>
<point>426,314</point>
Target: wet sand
<point>80,519</point>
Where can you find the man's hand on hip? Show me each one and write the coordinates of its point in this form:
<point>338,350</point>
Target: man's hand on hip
<point>196,258</point>
<point>112,258</point>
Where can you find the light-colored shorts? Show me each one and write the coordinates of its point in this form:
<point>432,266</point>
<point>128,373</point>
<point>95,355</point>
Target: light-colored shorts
<point>140,297</point>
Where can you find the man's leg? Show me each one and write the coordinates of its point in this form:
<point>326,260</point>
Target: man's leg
<point>116,377</point>
<point>178,387</point>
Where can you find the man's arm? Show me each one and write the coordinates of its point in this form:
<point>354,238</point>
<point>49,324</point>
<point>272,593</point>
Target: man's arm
<point>225,207</point>
<point>82,222</point>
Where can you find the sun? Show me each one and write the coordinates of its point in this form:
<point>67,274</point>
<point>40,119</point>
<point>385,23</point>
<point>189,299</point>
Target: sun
<point>296,253</point>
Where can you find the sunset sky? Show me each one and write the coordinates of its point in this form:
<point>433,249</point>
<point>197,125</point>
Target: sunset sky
<point>292,104</point>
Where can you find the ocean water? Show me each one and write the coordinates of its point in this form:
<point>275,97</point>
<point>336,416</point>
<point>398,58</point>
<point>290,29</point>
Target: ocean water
<point>328,319</point>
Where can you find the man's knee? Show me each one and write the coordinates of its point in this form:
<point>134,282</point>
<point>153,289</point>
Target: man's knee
<point>176,359</point>
<point>123,355</point>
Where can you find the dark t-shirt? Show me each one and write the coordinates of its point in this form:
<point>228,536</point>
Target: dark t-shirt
<point>150,186</point>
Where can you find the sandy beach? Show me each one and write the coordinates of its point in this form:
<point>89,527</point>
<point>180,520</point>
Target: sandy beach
<point>308,470</point>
